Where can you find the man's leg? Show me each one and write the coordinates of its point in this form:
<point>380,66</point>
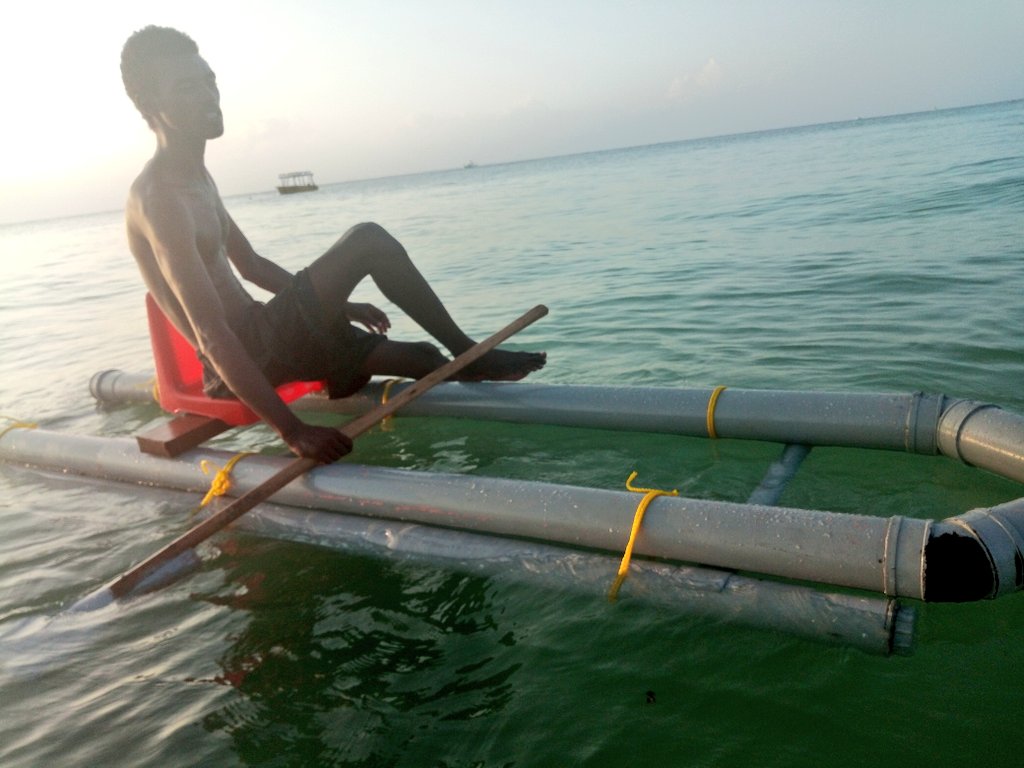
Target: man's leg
<point>367,250</point>
<point>409,359</point>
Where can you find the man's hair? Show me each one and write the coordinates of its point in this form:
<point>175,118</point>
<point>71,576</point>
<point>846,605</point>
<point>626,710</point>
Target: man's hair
<point>141,57</point>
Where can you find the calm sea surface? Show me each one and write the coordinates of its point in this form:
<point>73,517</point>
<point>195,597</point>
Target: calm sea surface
<point>878,255</point>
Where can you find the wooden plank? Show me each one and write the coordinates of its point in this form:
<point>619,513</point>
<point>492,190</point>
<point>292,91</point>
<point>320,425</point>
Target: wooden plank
<point>179,434</point>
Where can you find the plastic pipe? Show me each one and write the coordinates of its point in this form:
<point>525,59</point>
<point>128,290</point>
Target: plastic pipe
<point>977,555</point>
<point>983,435</point>
<point>778,475</point>
<point>113,387</point>
<point>889,421</point>
<point>979,434</point>
<point>887,555</point>
<point>871,624</point>
<point>871,553</point>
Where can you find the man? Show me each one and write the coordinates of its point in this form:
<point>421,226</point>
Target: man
<point>185,243</point>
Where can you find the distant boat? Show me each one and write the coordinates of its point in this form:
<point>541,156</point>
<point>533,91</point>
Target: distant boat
<point>470,164</point>
<point>297,181</point>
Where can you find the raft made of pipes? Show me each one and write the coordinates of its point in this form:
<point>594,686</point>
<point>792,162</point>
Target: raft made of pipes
<point>518,529</point>
<point>976,555</point>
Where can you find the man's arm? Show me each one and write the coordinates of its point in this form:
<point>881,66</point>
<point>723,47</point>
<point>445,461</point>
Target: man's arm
<point>271,277</point>
<point>171,234</point>
<point>251,266</point>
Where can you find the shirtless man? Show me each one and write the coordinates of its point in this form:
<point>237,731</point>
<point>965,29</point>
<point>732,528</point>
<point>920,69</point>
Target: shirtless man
<point>185,243</point>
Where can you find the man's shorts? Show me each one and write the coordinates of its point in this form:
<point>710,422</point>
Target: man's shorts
<point>291,338</point>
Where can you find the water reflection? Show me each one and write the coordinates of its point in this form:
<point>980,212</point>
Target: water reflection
<point>342,653</point>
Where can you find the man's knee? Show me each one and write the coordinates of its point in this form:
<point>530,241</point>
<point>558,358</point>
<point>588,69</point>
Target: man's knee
<point>371,237</point>
<point>430,355</point>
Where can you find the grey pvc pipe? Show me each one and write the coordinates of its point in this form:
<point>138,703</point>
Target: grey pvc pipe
<point>871,624</point>
<point>871,553</point>
<point>887,555</point>
<point>114,387</point>
<point>781,471</point>
<point>976,433</point>
<point>983,435</point>
<point>806,418</point>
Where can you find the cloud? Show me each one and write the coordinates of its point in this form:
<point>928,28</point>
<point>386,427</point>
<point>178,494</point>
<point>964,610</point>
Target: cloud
<point>688,85</point>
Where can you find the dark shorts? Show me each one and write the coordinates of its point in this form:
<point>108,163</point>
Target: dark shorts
<point>292,339</point>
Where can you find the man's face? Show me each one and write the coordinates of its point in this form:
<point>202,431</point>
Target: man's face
<point>186,99</point>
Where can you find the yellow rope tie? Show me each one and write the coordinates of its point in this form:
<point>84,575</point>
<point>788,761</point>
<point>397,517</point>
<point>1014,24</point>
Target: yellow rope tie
<point>712,402</point>
<point>221,482</point>
<point>16,424</point>
<point>650,494</point>
<point>385,423</point>
<point>155,390</point>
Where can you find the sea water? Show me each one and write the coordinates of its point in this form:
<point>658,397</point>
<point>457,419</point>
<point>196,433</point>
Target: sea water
<point>880,255</point>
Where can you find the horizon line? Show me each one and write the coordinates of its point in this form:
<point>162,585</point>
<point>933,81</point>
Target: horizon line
<point>542,158</point>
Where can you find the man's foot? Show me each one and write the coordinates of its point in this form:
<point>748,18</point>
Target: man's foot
<point>503,365</point>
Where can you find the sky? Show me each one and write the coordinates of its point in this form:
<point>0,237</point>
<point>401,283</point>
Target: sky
<point>357,89</point>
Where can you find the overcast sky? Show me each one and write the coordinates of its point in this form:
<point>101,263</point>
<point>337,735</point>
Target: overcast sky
<point>354,89</point>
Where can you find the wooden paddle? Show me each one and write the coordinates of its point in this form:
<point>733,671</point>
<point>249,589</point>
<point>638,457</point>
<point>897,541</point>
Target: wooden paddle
<point>124,583</point>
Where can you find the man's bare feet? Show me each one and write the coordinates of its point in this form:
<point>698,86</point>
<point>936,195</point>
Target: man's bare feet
<point>503,365</point>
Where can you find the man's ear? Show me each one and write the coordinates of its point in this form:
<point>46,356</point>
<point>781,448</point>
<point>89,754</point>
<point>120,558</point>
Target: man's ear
<point>146,104</point>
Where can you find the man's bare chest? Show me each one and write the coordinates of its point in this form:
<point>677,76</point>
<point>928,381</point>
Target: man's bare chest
<point>211,222</point>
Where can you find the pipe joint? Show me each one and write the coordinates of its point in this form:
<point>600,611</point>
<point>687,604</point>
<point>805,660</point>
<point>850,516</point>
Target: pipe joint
<point>976,556</point>
<point>923,414</point>
<point>999,531</point>
<point>952,424</point>
<point>901,561</point>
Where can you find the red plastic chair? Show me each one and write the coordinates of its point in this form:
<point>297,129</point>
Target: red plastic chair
<point>179,376</point>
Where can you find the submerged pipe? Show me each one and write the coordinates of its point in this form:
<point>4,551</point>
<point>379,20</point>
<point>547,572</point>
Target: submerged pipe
<point>781,471</point>
<point>896,556</point>
<point>978,434</point>
<point>871,624</point>
<point>874,625</point>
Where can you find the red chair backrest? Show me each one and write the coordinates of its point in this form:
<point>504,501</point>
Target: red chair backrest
<point>179,376</point>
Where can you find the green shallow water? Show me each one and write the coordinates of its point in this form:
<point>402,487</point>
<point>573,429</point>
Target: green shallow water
<point>882,255</point>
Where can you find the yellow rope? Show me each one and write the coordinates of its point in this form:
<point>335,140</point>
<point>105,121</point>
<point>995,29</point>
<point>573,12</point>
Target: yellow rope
<point>385,423</point>
<point>221,482</point>
<point>712,402</point>
<point>16,424</point>
<point>650,494</point>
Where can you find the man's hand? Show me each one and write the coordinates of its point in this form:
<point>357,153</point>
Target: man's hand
<point>366,314</point>
<point>325,444</point>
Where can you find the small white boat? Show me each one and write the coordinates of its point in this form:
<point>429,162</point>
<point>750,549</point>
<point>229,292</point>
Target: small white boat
<point>296,181</point>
